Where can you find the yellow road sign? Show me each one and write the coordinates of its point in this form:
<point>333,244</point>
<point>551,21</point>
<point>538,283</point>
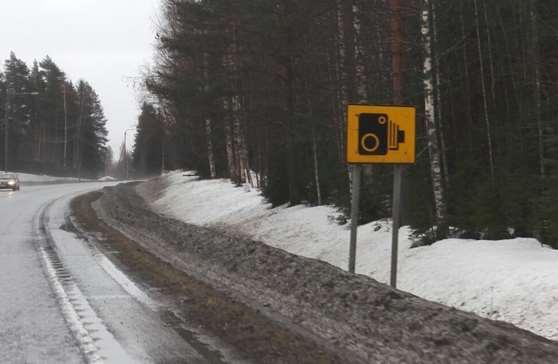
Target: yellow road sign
<point>381,134</point>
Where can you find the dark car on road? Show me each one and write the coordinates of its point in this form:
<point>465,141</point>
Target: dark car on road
<point>10,181</point>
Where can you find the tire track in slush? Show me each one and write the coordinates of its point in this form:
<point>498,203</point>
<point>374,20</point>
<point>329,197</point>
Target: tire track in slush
<point>96,343</point>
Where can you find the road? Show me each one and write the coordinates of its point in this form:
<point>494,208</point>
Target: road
<point>62,301</point>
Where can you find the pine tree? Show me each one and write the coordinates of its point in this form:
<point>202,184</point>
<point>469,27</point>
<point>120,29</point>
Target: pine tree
<point>147,155</point>
<point>264,86</point>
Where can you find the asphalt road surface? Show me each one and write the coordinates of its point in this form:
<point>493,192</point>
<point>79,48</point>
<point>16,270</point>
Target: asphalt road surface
<point>62,301</point>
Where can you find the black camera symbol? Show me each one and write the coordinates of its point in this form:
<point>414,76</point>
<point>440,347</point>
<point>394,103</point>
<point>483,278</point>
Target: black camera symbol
<point>377,134</point>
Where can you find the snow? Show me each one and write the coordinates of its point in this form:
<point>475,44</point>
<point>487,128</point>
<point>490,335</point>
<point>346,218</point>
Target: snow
<point>106,179</point>
<point>511,280</point>
<point>42,178</point>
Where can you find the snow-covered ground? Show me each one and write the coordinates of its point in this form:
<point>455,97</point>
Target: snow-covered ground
<point>106,179</point>
<point>511,280</point>
<point>42,178</point>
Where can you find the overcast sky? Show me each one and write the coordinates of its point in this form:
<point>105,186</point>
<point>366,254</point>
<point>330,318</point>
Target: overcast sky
<point>106,42</point>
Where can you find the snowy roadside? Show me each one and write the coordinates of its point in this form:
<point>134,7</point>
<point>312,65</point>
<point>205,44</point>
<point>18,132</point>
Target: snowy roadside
<point>36,179</point>
<point>329,314</point>
<point>511,280</point>
<point>43,179</point>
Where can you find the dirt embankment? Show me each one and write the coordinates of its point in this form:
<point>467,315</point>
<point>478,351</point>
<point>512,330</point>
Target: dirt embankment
<point>339,316</point>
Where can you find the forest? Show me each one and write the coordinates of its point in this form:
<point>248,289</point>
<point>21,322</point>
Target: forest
<point>49,125</point>
<point>257,91</point>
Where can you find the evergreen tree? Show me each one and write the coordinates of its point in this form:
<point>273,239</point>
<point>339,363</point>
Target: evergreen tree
<point>263,87</point>
<point>92,132</point>
<point>19,117</point>
<point>53,127</point>
<point>147,155</point>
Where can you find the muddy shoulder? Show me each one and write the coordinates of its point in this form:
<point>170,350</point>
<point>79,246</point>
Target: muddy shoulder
<point>276,307</point>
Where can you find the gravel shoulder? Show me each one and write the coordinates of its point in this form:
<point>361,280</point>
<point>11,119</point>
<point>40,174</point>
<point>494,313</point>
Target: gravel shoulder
<point>277,307</point>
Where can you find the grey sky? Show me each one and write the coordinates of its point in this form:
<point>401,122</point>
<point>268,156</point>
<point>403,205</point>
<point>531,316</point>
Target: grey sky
<point>105,42</point>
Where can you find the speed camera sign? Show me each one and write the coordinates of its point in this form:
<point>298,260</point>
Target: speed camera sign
<point>380,134</point>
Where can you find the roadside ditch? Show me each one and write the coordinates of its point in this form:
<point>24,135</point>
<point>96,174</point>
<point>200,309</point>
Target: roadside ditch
<point>275,307</point>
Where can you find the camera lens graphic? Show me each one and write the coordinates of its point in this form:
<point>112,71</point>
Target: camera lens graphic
<point>373,134</point>
<point>370,142</point>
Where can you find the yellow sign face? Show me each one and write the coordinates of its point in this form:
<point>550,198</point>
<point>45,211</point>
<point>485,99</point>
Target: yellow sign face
<point>381,134</point>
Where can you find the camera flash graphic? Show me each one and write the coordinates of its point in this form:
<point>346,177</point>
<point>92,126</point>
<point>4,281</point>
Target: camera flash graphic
<point>396,136</point>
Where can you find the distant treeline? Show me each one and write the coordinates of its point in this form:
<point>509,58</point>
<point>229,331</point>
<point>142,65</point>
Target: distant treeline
<point>53,126</point>
<point>263,86</point>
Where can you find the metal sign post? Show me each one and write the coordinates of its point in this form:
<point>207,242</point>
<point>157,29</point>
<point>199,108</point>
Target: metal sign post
<point>356,172</point>
<point>396,218</point>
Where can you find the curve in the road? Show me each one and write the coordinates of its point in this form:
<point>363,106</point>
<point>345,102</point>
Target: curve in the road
<point>60,299</point>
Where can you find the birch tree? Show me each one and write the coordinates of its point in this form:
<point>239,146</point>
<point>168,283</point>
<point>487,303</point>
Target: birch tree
<point>484,96</point>
<point>430,123</point>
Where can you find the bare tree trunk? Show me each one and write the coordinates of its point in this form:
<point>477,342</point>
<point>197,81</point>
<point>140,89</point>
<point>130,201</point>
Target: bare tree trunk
<point>316,166</point>
<point>239,140</point>
<point>381,52</point>
<point>210,155</point>
<point>294,196</point>
<point>490,57</point>
<point>83,100</point>
<point>345,31</point>
<point>467,98</point>
<point>208,126</point>
<point>229,144</point>
<point>397,83</point>
<point>514,93</point>
<point>484,98</point>
<point>430,122</point>
<point>439,110</point>
<point>361,78</point>
<point>235,146</point>
<point>537,91</point>
<point>343,75</point>
<point>342,58</point>
<point>314,145</point>
<point>336,110</point>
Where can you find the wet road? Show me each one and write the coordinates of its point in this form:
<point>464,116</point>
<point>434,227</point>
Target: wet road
<point>61,300</point>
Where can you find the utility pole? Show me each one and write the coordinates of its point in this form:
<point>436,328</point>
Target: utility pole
<point>65,127</point>
<point>63,79</point>
<point>125,151</point>
<point>125,155</point>
<point>80,120</point>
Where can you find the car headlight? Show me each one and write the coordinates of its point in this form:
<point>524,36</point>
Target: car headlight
<point>11,183</point>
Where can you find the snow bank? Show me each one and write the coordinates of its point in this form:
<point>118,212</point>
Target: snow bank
<point>35,178</point>
<point>106,179</point>
<point>511,280</point>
